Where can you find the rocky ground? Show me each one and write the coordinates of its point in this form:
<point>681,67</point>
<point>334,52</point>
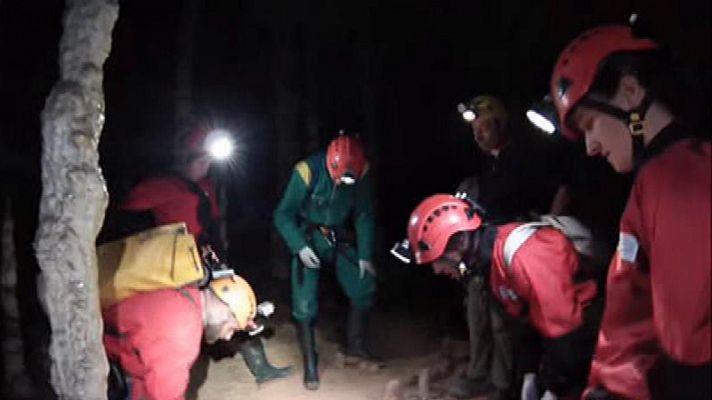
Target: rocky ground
<point>418,367</point>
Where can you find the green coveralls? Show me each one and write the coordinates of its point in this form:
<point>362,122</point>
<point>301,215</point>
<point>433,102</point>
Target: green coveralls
<point>312,200</point>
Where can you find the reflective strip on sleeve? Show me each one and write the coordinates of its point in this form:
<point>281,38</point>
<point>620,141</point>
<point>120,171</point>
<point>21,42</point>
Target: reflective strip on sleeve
<point>628,247</point>
<point>516,239</point>
<point>304,172</point>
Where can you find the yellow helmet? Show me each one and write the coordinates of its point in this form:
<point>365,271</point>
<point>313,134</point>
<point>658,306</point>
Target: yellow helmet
<point>234,291</point>
<point>484,106</point>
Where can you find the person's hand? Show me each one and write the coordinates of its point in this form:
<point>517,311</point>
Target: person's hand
<point>309,258</point>
<point>366,266</point>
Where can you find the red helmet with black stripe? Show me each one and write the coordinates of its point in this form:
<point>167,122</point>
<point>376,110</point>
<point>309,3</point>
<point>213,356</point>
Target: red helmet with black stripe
<point>435,220</point>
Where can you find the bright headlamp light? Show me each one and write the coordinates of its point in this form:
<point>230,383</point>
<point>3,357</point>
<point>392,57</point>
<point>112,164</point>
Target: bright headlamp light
<point>219,145</point>
<point>543,115</point>
<point>467,112</point>
<point>347,178</point>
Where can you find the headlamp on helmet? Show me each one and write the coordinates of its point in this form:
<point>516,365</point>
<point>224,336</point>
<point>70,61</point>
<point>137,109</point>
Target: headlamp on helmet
<point>432,223</point>
<point>345,159</point>
<point>483,106</point>
<point>542,114</point>
<point>401,251</point>
<point>467,111</point>
<point>219,144</point>
<point>347,178</point>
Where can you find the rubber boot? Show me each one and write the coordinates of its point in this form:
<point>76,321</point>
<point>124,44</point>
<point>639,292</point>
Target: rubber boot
<point>253,352</point>
<point>305,335</point>
<point>356,332</point>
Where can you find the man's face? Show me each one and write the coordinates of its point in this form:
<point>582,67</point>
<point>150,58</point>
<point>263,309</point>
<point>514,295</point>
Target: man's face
<point>487,134</point>
<point>447,264</point>
<point>198,168</point>
<point>220,323</point>
<point>606,137</point>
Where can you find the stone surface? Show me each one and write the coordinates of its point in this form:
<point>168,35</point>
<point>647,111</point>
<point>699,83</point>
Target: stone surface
<point>73,201</point>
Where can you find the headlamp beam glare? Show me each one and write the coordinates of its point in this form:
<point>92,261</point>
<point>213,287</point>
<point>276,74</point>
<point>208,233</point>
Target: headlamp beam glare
<point>219,145</point>
<point>469,115</point>
<point>467,112</point>
<point>541,122</point>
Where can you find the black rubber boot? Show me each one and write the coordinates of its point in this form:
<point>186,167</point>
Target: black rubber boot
<point>253,352</point>
<point>305,335</point>
<point>356,322</point>
<point>356,333</point>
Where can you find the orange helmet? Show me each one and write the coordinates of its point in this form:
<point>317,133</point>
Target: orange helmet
<point>234,291</point>
<point>345,159</point>
<point>435,220</point>
<point>578,64</point>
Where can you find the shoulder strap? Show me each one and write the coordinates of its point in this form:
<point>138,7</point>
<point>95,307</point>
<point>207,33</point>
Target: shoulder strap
<point>517,238</point>
<point>187,295</point>
<point>314,162</point>
<point>579,235</point>
<point>210,227</point>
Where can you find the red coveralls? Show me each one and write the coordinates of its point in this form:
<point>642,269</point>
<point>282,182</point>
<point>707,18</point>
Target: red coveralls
<point>541,276</point>
<point>156,336</point>
<point>171,200</point>
<point>658,292</point>
<point>160,331</point>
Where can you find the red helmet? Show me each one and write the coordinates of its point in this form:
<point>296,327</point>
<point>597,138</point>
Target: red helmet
<point>578,64</point>
<point>435,220</point>
<point>345,159</point>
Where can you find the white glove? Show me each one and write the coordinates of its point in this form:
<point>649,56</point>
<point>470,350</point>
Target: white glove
<point>365,266</point>
<point>309,258</point>
<point>530,391</point>
<point>549,396</point>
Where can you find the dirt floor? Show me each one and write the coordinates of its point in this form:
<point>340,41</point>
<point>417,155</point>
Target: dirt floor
<point>404,344</point>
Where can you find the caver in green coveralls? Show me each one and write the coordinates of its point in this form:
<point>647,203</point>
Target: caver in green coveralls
<point>337,222</point>
<point>326,219</point>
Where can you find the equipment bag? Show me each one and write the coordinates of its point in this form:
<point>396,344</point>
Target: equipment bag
<point>575,231</point>
<point>159,258</point>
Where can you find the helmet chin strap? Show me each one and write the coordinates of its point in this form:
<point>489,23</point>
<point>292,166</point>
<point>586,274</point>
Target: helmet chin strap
<point>633,118</point>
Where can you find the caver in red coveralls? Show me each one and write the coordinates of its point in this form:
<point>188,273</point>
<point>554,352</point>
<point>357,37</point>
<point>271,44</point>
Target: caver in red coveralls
<point>156,336</point>
<point>658,292</point>
<point>171,199</point>
<point>156,348</point>
<point>174,199</point>
<point>447,231</point>
<point>539,284</point>
<point>655,334</point>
